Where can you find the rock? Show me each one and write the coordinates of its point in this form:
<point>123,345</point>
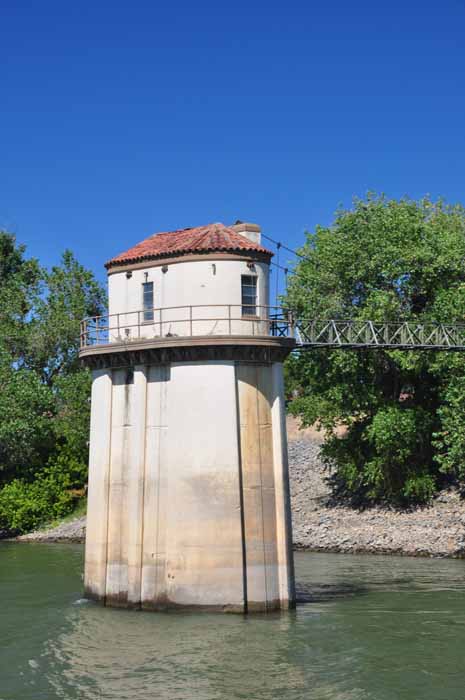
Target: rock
<point>69,531</point>
<point>435,530</point>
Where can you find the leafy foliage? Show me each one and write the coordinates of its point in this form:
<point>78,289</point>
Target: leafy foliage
<point>25,505</point>
<point>399,414</point>
<point>26,425</point>
<point>44,402</point>
<point>72,293</point>
<point>20,282</point>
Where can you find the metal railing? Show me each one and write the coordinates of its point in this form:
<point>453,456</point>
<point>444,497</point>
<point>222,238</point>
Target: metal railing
<point>371,334</point>
<point>185,321</point>
<point>275,321</point>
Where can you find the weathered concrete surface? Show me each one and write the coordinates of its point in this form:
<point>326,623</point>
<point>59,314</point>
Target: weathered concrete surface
<point>256,441</point>
<point>183,504</point>
<point>156,503</point>
<point>99,481</point>
<point>286,575</point>
<point>203,539</point>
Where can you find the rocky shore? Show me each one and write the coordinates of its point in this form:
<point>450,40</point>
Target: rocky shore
<point>436,530</point>
<point>68,531</point>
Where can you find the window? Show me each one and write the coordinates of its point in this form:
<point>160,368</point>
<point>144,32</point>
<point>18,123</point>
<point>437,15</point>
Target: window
<point>147,300</point>
<point>249,295</point>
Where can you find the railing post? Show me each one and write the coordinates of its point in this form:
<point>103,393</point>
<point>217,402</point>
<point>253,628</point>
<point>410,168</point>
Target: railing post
<point>229,319</point>
<point>96,330</point>
<point>291,323</point>
<point>161,323</point>
<point>118,325</point>
<point>190,321</point>
<point>138,324</point>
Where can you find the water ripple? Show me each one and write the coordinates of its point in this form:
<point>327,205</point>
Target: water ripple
<point>366,628</point>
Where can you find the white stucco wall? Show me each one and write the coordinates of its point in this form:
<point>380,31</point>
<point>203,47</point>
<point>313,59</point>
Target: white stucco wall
<point>212,284</point>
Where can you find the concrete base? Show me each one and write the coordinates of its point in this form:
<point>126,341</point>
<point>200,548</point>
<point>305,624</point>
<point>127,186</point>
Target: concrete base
<point>188,488</point>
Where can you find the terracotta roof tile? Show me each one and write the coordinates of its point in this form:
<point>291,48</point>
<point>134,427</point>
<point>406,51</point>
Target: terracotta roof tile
<point>202,239</point>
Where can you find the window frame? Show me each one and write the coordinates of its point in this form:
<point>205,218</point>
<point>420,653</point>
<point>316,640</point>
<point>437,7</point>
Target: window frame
<point>148,315</point>
<point>248,301</point>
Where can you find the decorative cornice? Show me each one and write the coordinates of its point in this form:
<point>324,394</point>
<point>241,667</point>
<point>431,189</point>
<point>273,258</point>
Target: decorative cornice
<point>248,256</point>
<point>197,349</point>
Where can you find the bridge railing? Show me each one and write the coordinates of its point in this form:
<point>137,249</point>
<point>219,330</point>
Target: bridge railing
<point>236,320</point>
<point>362,334</point>
<point>186,321</point>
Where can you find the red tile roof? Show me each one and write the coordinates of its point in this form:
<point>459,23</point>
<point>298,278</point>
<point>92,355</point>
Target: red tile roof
<point>202,239</point>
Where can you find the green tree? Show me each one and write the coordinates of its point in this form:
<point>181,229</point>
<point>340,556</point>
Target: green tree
<point>26,423</point>
<point>44,402</point>
<point>384,260</point>
<point>20,286</point>
<point>70,294</point>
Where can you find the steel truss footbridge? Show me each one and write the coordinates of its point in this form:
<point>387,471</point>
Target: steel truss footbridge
<point>353,334</point>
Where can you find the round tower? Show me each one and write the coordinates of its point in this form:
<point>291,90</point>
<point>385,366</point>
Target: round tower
<point>188,476</point>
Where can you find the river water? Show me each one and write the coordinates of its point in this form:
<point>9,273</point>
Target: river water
<point>367,627</point>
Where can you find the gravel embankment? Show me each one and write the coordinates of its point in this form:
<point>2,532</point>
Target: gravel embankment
<point>435,530</point>
<point>69,531</point>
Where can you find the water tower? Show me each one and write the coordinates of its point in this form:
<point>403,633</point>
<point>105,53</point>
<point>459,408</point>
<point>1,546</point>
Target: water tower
<point>188,476</point>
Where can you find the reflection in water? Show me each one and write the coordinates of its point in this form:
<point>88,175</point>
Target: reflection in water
<point>172,656</point>
<point>366,628</point>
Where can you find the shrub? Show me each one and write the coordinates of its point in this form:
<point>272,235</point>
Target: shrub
<point>26,505</point>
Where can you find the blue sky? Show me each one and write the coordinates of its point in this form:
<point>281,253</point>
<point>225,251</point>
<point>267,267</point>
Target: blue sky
<point>122,119</point>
